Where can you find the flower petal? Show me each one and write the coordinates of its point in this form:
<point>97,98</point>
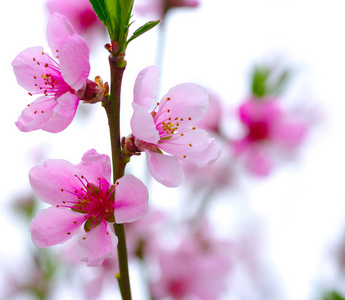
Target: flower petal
<point>48,114</point>
<point>28,66</point>
<point>74,61</point>
<point>54,181</point>
<point>94,165</point>
<point>63,113</point>
<point>36,114</point>
<point>99,244</point>
<point>195,146</point>
<point>186,101</point>
<point>131,198</point>
<point>54,226</point>
<point>289,134</point>
<point>59,29</point>
<point>258,161</point>
<point>146,87</point>
<point>253,110</point>
<point>143,126</point>
<point>165,169</point>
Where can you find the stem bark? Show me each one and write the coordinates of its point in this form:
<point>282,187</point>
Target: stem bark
<point>112,107</point>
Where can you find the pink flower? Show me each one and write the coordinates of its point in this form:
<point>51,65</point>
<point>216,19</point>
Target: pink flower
<point>170,127</point>
<point>60,83</point>
<point>159,8</point>
<point>196,269</point>
<point>267,127</point>
<point>79,12</point>
<point>82,194</point>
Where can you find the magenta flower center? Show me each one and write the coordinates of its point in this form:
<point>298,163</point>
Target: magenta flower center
<point>48,79</point>
<point>87,19</point>
<point>94,201</point>
<point>178,288</point>
<point>258,131</point>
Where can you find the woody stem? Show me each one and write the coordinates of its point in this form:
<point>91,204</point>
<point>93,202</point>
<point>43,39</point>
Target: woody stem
<point>112,107</point>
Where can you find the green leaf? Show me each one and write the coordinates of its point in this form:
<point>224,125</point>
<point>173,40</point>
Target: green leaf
<point>146,27</point>
<point>123,17</point>
<point>259,81</point>
<point>115,15</point>
<point>333,296</point>
<point>101,8</point>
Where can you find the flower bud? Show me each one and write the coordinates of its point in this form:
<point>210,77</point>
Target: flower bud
<point>93,91</point>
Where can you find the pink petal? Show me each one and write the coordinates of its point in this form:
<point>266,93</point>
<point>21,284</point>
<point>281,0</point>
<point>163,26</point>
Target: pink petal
<point>99,244</point>
<point>32,117</point>
<point>48,179</point>
<point>74,61</point>
<point>289,134</point>
<point>79,12</point>
<point>188,101</point>
<point>48,114</point>
<point>54,226</point>
<point>165,169</point>
<point>193,147</point>
<point>131,198</point>
<point>27,65</point>
<point>63,113</point>
<point>146,87</point>
<point>59,29</point>
<point>143,126</point>
<point>95,165</point>
<point>258,162</point>
<point>254,110</point>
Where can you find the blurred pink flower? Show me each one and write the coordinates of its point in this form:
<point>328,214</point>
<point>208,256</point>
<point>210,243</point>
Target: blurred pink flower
<point>159,8</point>
<point>170,127</point>
<point>141,231</point>
<point>214,176</point>
<point>59,83</point>
<point>196,269</point>
<point>267,126</point>
<point>79,12</point>
<point>212,117</point>
<point>82,194</point>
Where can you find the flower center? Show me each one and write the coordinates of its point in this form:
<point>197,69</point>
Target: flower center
<point>48,79</point>
<point>94,201</point>
<point>167,124</point>
<point>258,131</point>
<point>177,288</point>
